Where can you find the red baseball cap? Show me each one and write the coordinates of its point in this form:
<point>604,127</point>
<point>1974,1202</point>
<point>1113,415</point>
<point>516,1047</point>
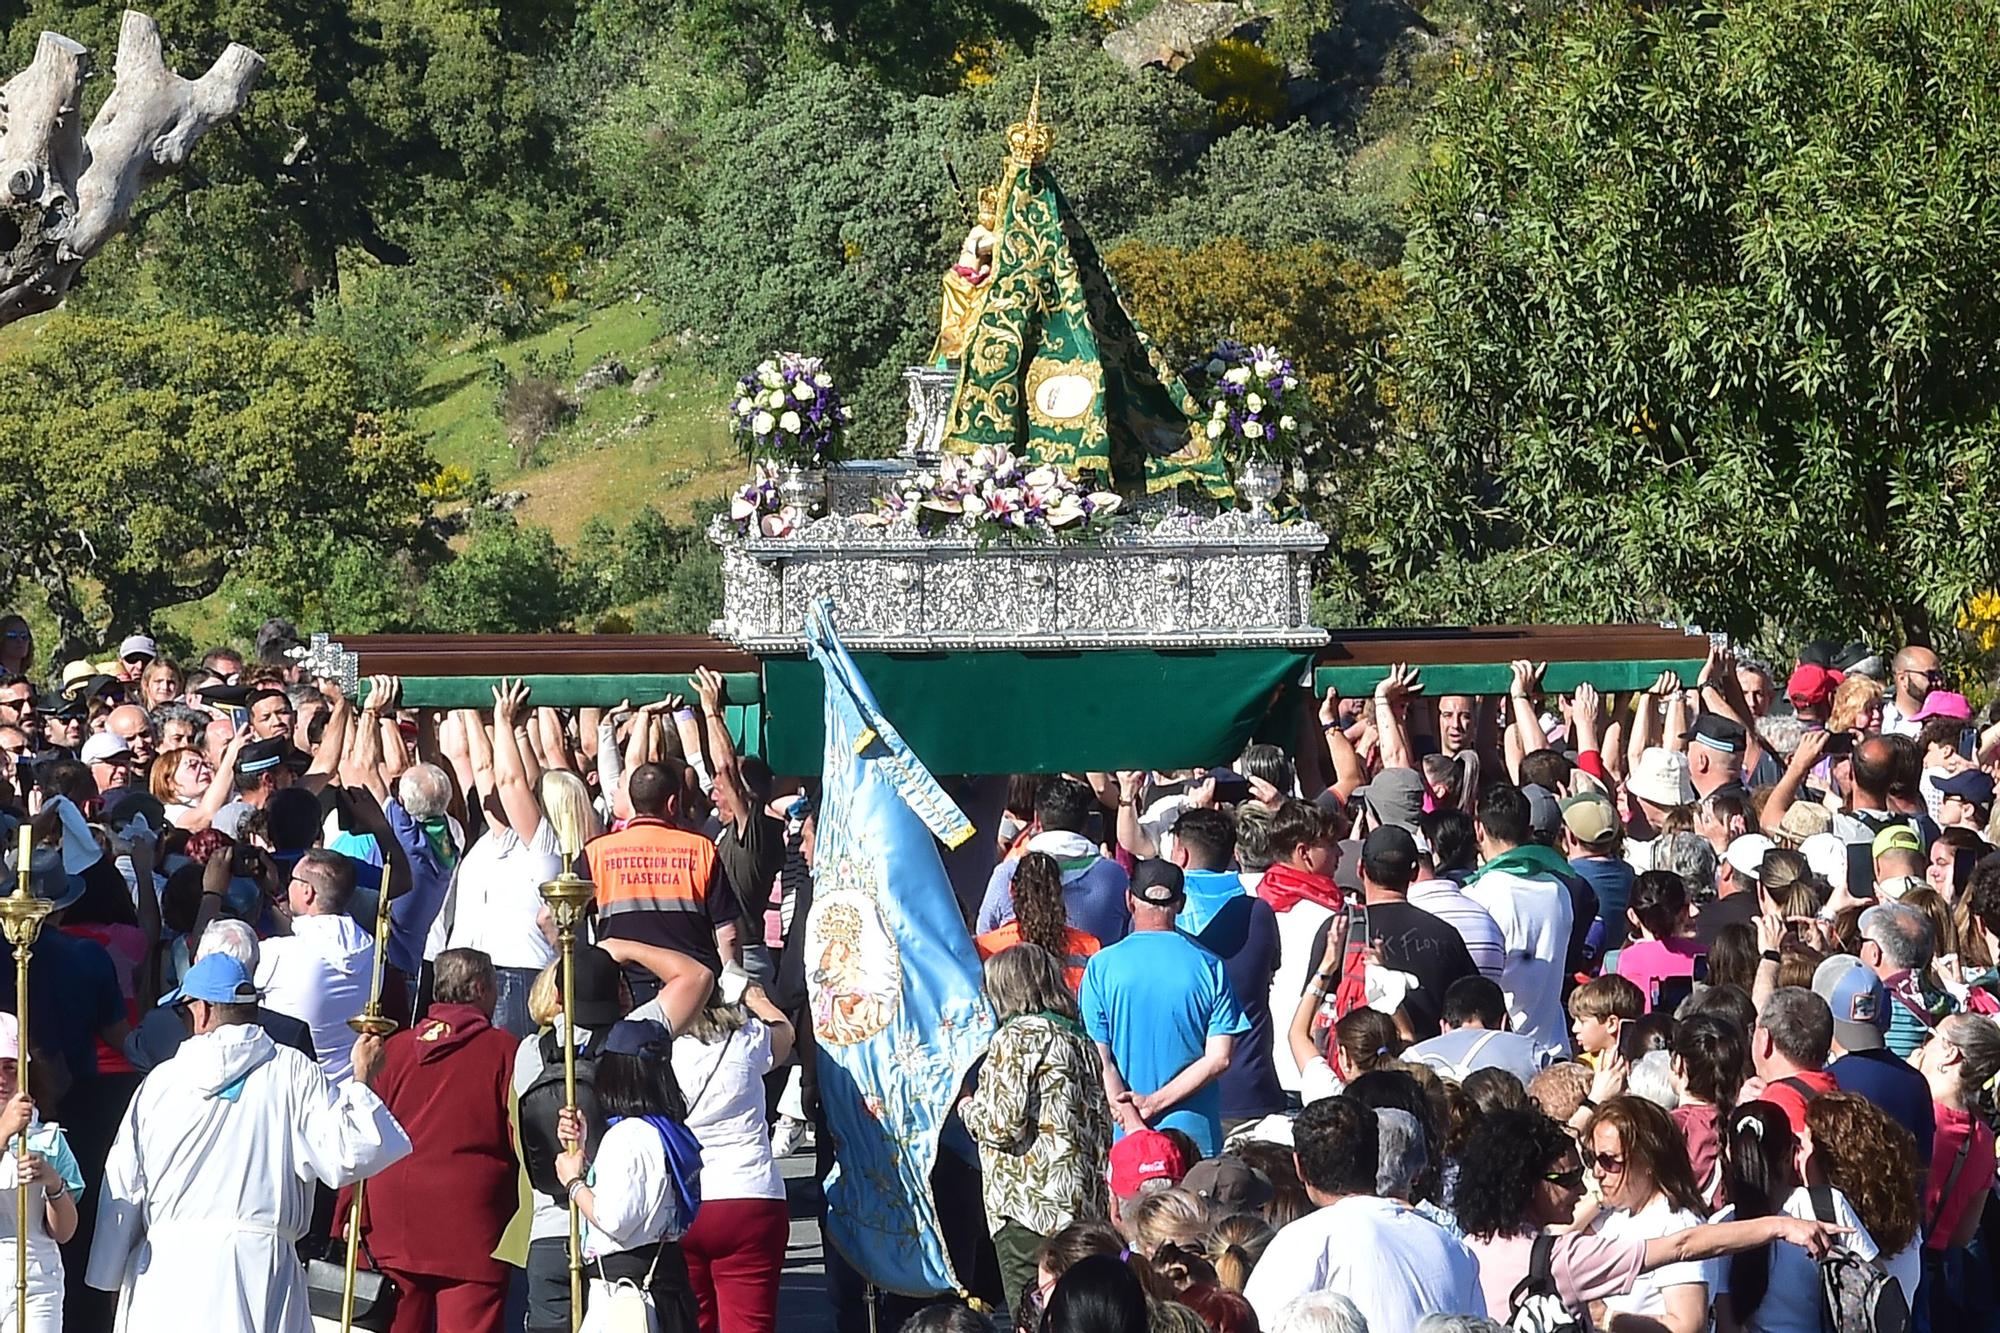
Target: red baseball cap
<point>1812,685</point>
<point>1143,1156</point>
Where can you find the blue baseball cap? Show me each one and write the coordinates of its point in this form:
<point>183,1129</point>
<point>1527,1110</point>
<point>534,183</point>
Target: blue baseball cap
<point>637,1036</point>
<point>1969,785</point>
<point>1859,1002</point>
<point>216,978</point>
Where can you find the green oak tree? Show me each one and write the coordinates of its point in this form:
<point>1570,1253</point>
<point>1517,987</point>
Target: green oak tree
<point>1704,305</point>
<point>142,464</point>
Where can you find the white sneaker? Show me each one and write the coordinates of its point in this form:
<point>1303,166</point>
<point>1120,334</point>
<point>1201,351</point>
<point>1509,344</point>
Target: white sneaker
<point>789,1136</point>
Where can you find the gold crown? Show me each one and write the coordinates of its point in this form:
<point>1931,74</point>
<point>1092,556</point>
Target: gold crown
<point>989,206</point>
<point>1028,143</point>
<point>841,924</point>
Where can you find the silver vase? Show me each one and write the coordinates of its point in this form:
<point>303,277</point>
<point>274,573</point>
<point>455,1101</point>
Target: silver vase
<point>803,489</point>
<point>1258,483</point>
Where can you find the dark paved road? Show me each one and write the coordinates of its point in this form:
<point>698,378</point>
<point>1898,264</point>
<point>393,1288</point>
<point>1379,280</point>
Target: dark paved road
<point>802,1303</point>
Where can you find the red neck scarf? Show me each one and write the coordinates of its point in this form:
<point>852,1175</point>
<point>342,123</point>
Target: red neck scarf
<point>1285,887</point>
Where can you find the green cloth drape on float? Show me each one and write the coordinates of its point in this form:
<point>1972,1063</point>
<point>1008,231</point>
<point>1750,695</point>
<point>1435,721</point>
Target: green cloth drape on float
<point>1019,712</point>
<point>743,690</point>
<point>1498,677</point>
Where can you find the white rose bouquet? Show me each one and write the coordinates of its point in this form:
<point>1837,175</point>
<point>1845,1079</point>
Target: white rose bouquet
<point>1253,402</point>
<point>788,411</point>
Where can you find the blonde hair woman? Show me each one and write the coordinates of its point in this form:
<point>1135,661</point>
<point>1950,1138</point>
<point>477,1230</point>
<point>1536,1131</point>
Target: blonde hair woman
<point>544,997</point>
<point>1171,1217</point>
<point>1857,706</point>
<point>1234,1245</point>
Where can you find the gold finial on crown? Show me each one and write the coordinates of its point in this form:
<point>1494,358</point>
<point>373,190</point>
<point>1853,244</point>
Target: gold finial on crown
<point>1028,143</point>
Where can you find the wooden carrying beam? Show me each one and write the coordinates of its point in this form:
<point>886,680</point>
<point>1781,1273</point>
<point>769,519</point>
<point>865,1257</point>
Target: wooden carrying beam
<point>1353,654</point>
<point>491,655</point>
<point>1475,660</point>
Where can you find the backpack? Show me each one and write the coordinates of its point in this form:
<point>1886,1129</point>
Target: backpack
<point>1855,1295</point>
<point>1457,1070</point>
<point>543,1099</point>
<point>1535,1306</point>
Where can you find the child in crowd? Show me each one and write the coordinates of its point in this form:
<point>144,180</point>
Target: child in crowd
<point>1598,1012</point>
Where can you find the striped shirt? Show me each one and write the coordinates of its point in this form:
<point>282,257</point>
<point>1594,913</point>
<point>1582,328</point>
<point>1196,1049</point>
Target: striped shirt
<point>1444,900</point>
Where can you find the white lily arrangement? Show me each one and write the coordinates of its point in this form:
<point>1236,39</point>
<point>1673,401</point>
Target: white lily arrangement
<point>992,493</point>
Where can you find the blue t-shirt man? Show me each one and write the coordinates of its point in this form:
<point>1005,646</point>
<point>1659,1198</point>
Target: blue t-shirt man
<point>1241,929</point>
<point>1154,1000</point>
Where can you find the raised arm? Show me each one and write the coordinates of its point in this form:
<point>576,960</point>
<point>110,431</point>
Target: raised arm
<point>362,767</point>
<point>333,741</point>
<point>511,782</point>
<point>1677,721</point>
<point>370,818</point>
<point>1392,698</point>
<point>1646,718</point>
<point>478,753</point>
<point>685,732</point>
<point>732,803</point>
<point>782,1036</point>
<point>638,741</point>
<point>1585,713</point>
<point>389,739</point>
<point>221,787</point>
<point>1722,692</point>
<point>1349,774</point>
<point>456,753</point>
<point>1326,977</point>
<point>611,761</point>
<point>1132,835</point>
<point>555,740</point>
<point>214,888</point>
<point>1812,748</point>
<point>1526,719</point>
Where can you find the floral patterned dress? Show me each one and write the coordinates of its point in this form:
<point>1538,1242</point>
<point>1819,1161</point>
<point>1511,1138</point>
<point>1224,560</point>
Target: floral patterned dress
<point>1042,1124</point>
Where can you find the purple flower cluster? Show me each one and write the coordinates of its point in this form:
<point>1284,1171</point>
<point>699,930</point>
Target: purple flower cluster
<point>1253,401</point>
<point>788,410</point>
<point>761,505</point>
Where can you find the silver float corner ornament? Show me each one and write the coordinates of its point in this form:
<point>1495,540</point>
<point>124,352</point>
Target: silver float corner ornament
<point>323,659</point>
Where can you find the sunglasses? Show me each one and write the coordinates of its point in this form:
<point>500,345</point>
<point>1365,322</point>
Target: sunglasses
<point>17,635</point>
<point>1607,1164</point>
<point>1571,1179</point>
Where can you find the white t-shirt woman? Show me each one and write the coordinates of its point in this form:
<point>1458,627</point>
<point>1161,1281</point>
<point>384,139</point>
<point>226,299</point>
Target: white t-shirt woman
<point>1791,1301</point>
<point>723,1081</point>
<point>633,1198</point>
<point>1658,1218</point>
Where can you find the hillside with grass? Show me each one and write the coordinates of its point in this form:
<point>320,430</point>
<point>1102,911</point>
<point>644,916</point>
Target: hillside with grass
<point>652,434</point>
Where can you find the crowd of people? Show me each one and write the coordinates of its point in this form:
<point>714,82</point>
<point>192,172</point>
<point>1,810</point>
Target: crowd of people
<point>1638,1013</point>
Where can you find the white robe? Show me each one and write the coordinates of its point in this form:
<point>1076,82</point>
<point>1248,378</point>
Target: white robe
<point>209,1184</point>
